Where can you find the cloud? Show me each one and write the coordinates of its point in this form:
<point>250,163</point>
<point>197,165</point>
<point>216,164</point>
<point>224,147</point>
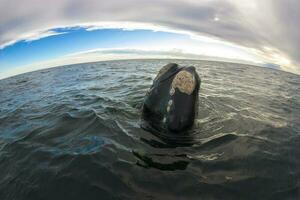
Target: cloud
<point>117,54</point>
<point>42,34</point>
<point>31,36</point>
<point>267,28</point>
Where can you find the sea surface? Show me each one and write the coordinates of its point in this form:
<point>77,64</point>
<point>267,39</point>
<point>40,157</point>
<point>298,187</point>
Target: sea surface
<point>73,132</point>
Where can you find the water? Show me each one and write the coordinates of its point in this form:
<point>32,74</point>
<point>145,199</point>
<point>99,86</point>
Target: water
<point>73,132</point>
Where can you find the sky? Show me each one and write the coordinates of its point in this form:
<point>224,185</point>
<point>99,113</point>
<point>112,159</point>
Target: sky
<point>36,34</point>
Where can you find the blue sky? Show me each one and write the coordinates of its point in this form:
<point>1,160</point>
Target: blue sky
<point>66,43</point>
<point>78,40</point>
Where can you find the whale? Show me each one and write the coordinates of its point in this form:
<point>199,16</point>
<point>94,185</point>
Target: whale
<point>171,104</point>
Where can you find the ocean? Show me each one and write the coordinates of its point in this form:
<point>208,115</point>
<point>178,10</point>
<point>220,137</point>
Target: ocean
<point>73,132</point>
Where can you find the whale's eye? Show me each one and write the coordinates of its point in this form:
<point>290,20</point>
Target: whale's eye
<point>185,82</point>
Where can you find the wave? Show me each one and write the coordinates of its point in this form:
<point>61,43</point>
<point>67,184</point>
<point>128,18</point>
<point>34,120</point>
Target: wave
<point>74,132</point>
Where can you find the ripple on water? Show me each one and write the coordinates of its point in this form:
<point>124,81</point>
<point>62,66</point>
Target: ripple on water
<point>73,132</point>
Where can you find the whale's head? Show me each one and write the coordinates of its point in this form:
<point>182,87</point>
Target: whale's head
<point>171,103</point>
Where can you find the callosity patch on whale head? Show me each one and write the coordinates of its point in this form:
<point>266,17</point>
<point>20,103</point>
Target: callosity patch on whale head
<point>185,82</point>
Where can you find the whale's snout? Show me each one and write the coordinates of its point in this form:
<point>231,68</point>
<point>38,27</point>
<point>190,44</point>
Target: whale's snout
<point>183,100</point>
<point>171,103</point>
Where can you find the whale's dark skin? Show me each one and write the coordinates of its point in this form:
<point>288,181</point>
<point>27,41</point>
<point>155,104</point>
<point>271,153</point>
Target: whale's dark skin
<point>172,101</point>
